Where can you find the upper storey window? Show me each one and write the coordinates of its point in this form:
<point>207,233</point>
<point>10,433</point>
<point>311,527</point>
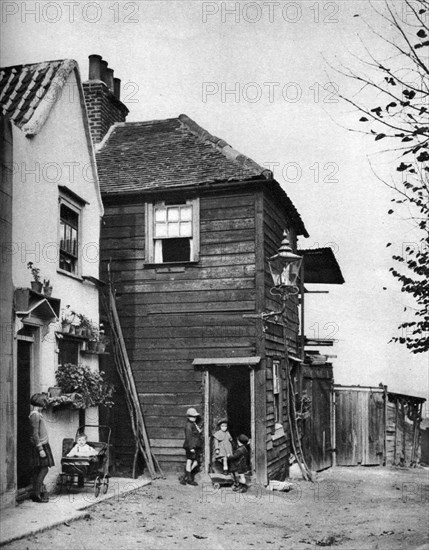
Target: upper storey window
<point>172,232</point>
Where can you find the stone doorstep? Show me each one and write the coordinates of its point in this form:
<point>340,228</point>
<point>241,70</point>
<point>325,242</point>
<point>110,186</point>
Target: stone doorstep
<point>25,520</point>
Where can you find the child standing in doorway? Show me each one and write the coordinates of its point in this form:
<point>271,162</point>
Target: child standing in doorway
<point>222,443</point>
<point>193,446</point>
<point>42,454</point>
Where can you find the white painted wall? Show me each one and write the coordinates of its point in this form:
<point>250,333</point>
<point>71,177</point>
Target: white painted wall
<point>58,155</point>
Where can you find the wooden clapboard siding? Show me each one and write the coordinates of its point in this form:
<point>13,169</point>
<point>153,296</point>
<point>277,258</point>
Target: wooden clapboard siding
<point>170,315</point>
<point>275,221</point>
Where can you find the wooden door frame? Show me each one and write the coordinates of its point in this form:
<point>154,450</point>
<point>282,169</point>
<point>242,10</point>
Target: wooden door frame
<point>206,384</point>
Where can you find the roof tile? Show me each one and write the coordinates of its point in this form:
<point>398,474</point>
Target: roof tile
<point>23,88</point>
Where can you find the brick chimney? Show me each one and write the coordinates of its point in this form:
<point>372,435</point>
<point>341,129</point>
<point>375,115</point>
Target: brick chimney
<point>102,98</point>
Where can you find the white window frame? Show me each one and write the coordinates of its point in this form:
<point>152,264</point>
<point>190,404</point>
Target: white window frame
<point>72,205</point>
<point>150,253</point>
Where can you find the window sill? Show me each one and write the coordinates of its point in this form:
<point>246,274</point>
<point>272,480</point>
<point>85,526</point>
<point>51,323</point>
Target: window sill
<point>170,267</point>
<point>71,275</point>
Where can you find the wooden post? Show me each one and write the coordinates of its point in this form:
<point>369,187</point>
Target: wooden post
<point>385,426</point>
<point>396,431</point>
<point>206,379</point>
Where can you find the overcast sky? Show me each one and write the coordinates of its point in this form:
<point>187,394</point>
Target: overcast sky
<point>187,57</point>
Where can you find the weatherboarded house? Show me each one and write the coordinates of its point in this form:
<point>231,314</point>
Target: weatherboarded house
<point>189,225</point>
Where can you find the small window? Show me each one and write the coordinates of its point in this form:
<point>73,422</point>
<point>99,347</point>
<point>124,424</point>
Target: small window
<point>68,352</point>
<point>172,232</point>
<point>276,392</point>
<point>69,238</point>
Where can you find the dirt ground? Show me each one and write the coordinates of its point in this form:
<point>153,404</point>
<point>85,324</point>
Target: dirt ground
<point>359,508</point>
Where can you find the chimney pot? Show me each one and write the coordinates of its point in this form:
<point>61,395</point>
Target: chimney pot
<point>109,79</point>
<point>104,65</point>
<point>117,88</point>
<point>94,67</point>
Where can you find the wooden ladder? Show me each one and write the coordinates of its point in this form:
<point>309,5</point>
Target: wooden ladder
<point>123,367</point>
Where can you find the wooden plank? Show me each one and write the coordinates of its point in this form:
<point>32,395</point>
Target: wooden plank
<point>212,307</point>
<point>210,284</point>
<point>168,398</point>
<point>193,333</point>
<point>168,443</point>
<point>214,318</point>
<point>136,261</point>
<point>211,249</point>
<point>226,225</point>
<point>224,213</point>
<point>187,343</point>
<point>191,353</point>
<point>232,200</point>
<point>168,387</point>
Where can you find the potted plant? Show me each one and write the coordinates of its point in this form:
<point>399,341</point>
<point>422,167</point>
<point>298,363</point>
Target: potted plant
<point>102,342</point>
<point>47,287</point>
<point>67,318</point>
<point>88,384</point>
<point>86,326</point>
<point>35,272</point>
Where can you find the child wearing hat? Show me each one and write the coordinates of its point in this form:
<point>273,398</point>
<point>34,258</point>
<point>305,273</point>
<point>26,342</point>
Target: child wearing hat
<point>193,446</point>
<point>223,443</point>
<point>239,463</point>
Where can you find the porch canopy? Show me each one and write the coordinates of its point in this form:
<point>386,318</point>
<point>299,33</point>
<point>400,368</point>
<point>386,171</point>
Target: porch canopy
<point>321,266</point>
<point>251,362</point>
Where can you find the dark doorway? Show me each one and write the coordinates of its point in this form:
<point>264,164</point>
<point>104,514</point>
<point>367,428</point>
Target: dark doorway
<point>230,397</point>
<point>24,466</point>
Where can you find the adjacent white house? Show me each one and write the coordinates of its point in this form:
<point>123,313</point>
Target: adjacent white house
<point>50,216</point>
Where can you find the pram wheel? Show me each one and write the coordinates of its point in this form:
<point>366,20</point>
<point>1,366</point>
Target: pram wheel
<point>97,486</point>
<point>105,484</point>
<point>216,486</point>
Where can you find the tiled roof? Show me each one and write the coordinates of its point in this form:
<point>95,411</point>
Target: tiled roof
<point>28,92</point>
<point>173,153</point>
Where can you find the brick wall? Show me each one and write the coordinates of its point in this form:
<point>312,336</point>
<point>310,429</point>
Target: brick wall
<point>104,109</point>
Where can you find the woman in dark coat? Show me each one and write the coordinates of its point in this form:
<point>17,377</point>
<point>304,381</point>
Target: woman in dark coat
<point>193,446</point>
<point>42,454</point>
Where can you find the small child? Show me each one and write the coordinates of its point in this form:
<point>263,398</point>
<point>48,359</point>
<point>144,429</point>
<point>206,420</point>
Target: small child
<point>223,443</point>
<point>239,463</point>
<point>82,448</point>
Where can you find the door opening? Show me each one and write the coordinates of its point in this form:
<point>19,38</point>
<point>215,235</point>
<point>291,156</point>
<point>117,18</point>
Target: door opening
<point>230,396</point>
<point>24,448</point>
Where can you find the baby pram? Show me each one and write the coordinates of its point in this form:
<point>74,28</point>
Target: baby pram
<point>90,471</point>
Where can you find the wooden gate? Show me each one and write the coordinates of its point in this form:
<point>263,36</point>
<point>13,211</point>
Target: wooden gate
<point>317,385</point>
<point>359,425</point>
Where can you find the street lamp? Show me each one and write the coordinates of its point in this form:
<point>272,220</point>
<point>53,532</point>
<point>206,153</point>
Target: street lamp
<point>284,267</point>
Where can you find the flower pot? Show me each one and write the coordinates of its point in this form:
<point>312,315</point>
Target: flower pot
<point>54,391</point>
<point>47,290</point>
<point>72,329</point>
<point>36,286</point>
<point>66,328</point>
<point>101,347</point>
<point>78,331</point>
<point>92,345</point>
